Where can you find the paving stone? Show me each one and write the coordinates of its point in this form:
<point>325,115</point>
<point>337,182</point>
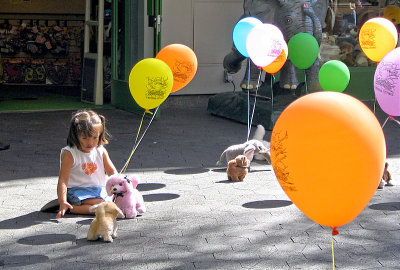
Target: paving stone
<point>196,218</point>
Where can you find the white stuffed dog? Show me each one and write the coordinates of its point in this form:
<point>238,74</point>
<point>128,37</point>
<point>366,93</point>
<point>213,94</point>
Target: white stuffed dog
<point>248,149</point>
<point>126,196</point>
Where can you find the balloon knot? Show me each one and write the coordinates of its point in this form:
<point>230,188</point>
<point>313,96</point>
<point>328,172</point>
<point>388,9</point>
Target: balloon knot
<point>148,111</point>
<point>391,117</point>
<point>335,231</point>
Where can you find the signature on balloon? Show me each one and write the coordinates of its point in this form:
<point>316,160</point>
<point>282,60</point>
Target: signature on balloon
<point>278,155</point>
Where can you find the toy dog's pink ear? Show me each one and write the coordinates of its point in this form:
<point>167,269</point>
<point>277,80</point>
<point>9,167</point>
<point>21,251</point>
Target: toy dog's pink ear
<point>135,181</point>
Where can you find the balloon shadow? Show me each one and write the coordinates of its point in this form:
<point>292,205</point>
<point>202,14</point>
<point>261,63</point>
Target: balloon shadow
<point>388,206</point>
<point>46,239</point>
<point>267,204</point>
<point>27,220</point>
<point>192,170</point>
<point>150,186</point>
<point>160,197</point>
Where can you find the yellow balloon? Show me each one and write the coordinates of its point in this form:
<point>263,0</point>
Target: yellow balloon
<point>377,37</point>
<point>150,83</point>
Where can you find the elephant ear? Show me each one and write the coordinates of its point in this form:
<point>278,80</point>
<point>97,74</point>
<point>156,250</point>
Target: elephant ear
<point>320,8</point>
<point>262,10</point>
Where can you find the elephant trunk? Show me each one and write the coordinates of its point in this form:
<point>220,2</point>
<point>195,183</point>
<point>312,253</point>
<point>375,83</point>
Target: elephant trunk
<point>317,28</point>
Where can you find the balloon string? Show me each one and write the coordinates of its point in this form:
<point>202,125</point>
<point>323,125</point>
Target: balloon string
<point>305,81</point>
<point>385,122</point>
<point>135,146</point>
<point>390,118</point>
<point>333,255</point>
<point>272,92</point>
<point>254,105</point>
<point>248,98</point>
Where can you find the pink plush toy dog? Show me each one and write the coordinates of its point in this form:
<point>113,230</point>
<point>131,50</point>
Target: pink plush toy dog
<point>126,196</point>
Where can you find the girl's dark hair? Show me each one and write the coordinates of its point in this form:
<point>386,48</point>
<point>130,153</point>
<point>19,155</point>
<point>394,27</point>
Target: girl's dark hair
<point>83,122</point>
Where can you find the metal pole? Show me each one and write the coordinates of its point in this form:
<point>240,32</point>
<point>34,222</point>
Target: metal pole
<point>114,41</point>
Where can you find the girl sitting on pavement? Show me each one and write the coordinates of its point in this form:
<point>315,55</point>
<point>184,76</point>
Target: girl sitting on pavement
<point>84,164</point>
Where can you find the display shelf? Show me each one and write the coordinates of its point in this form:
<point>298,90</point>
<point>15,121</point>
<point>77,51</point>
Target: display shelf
<point>41,49</point>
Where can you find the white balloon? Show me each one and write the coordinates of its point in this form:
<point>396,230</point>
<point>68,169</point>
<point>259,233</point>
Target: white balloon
<point>264,44</point>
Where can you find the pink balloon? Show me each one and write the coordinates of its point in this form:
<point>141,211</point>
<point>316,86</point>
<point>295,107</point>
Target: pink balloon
<point>387,83</point>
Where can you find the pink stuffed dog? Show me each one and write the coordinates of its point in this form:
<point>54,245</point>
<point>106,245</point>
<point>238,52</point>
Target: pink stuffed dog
<point>126,196</point>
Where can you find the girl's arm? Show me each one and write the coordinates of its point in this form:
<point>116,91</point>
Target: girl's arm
<point>66,164</point>
<point>108,165</point>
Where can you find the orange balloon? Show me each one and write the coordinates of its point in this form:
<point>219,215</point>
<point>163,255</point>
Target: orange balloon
<point>377,37</point>
<point>392,13</point>
<point>182,61</point>
<point>328,152</point>
<point>275,66</point>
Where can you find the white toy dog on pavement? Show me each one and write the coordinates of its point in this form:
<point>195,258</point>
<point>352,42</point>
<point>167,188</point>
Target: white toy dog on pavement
<point>248,149</point>
<point>259,135</point>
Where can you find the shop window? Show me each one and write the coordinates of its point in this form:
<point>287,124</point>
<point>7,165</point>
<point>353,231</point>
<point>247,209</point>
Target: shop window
<point>343,21</point>
<point>41,50</point>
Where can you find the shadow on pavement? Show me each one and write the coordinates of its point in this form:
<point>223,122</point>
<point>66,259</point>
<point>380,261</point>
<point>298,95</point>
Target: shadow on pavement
<point>149,186</point>
<point>388,206</point>
<point>160,197</point>
<point>186,171</point>
<point>46,239</point>
<point>267,204</point>
<point>26,221</point>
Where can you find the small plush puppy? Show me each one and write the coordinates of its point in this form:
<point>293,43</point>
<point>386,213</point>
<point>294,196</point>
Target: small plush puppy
<point>105,222</point>
<point>386,177</point>
<point>238,168</point>
<point>248,149</point>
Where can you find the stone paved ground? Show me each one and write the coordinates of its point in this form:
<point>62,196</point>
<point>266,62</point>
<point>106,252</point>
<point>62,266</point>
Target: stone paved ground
<point>196,219</point>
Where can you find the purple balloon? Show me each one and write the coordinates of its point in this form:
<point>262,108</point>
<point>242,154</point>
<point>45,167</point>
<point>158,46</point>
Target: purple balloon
<point>387,83</point>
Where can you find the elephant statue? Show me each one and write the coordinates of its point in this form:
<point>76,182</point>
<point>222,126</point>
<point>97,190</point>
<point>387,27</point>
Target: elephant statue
<point>291,17</point>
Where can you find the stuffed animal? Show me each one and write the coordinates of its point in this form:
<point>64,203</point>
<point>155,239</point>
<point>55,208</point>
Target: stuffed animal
<point>238,168</point>
<point>248,149</point>
<point>386,178</point>
<point>126,196</point>
<point>105,223</point>
<point>346,54</point>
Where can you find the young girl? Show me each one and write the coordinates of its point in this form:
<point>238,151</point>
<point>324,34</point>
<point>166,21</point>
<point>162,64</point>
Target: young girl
<point>84,164</point>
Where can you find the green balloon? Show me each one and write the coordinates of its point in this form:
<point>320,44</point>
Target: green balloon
<point>334,75</point>
<point>303,50</point>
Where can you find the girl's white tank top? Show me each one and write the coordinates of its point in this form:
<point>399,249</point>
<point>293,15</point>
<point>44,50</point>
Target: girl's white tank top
<point>87,169</point>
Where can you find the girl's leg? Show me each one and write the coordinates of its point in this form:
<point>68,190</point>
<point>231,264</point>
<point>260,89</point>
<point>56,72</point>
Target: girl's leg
<point>84,207</point>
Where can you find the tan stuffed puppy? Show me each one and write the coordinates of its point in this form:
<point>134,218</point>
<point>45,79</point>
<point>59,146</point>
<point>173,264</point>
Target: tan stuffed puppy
<point>105,222</point>
<point>238,168</point>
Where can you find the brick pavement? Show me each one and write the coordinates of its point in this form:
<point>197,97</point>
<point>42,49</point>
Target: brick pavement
<point>196,219</point>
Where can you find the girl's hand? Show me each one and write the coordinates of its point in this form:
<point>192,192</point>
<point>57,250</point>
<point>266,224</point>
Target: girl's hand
<point>63,208</point>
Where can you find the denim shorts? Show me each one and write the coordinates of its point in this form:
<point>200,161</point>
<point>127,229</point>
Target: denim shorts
<point>76,195</point>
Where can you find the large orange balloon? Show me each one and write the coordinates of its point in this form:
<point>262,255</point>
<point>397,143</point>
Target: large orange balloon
<point>182,61</point>
<point>328,153</point>
<point>377,37</point>
<point>278,63</point>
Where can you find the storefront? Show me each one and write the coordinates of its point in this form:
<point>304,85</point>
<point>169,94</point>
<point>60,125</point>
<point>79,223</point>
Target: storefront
<point>41,44</point>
